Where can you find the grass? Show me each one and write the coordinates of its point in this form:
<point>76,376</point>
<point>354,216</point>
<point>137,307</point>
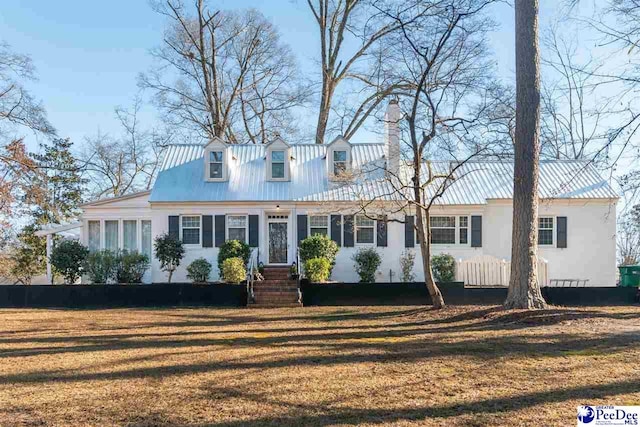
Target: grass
<point>466,366</point>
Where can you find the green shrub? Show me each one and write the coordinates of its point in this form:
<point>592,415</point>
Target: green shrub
<point>169,251</point>
<point>233,249</point>
<point>28,258</point>
<point>233,270</point>
<point>367,261</point>
<point>100,266</point>
<point>443,267</point>
<point>131,266</point>
<point>198,271</point>
<point>317,269</point>
<point>318,246</point>
<point>407,260</point>
<point>67,258</point>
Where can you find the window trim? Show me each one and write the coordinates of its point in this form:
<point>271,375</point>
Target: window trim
<point>457,243</point>
<point>246,226</point>
<point>455,229</point>
<point>459,227</point>
<point>553,231</point>
<point>283,162</point>
<point>334,161</point>
<point>356,227</point>
<point>221,163</point>
<point>199,244</point>
<point>328,227</point>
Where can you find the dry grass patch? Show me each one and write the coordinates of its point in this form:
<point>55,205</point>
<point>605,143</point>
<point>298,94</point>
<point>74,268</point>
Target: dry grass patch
<point>315,366</point>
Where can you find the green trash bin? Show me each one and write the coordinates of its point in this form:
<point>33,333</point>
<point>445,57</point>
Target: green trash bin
<point>630,275</point>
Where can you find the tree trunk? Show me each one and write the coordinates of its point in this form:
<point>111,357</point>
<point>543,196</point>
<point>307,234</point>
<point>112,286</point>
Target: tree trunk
<point>423,223</point>
<point>170,274</point>
<point>323,114</point>
<point>524,291</point>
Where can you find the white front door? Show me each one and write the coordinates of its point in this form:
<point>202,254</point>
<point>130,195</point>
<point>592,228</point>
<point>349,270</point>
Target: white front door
<point>278,238</point>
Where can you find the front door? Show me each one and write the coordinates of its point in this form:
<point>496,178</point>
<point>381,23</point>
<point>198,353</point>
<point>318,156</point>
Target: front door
<point>278,242</point>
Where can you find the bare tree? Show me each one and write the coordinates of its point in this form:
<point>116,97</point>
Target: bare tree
<point>524,290</point>
<point>224,74</point>
<point>125,163</point>
<point>19,112</point>
<point>350,49</point>
<point>629,237</point>
<point>441,52</point>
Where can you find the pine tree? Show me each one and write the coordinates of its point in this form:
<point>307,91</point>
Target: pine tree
<point>61,176</point>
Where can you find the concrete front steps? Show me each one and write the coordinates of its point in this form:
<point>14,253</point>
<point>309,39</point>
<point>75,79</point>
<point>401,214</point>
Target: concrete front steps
<point>276,290</point>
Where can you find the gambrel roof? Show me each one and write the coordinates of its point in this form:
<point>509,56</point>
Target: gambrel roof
<point>182,172</point>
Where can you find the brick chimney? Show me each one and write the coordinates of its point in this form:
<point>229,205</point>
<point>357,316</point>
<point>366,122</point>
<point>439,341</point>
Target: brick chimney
<point>392,137</point>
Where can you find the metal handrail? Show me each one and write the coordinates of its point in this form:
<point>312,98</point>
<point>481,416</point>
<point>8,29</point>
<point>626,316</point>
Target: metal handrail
<point>250,278</point>
<point>299,266</point>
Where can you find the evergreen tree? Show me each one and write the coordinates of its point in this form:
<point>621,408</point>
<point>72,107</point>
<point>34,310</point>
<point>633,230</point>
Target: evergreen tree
<point>62,179</point>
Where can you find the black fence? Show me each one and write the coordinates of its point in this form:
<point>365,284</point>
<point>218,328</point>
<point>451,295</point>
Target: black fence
<point>97,296</point>
<point>454,294</point>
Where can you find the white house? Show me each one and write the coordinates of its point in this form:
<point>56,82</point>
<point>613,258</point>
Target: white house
<point>273,196</point>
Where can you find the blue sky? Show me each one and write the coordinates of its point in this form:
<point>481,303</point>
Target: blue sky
<point>88,54</point>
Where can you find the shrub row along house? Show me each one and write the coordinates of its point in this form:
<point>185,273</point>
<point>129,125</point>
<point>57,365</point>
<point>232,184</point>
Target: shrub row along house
<point>273,196</point>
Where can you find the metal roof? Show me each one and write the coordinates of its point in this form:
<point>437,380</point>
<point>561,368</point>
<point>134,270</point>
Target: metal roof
<point>181,178</point>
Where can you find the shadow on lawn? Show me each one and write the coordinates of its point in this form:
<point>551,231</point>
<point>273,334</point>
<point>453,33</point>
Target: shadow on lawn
<point>318,416</point>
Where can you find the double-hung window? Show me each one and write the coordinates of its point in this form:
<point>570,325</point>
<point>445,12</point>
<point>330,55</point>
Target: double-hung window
<point>277,164</point>
<point>216,164</point>
<point>319,224</point>
<point>191,230</point>
<point>364,229</point>
<point>464,229</point>
<point>237,227</point>
<point>130,235</point>
<point>94,236</point>
<point>443,230</point>
<point>111,234</point>
<point>545,231</point>
<point>339,162</point>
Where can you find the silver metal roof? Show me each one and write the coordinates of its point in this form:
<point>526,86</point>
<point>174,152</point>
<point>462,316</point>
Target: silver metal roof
<point>181,178</point>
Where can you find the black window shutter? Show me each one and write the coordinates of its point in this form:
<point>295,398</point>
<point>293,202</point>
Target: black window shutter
<point>254,221</point>
<point>336,229</point>
<point>174,226</point>
<point>561,240</point>
<point>476,231</point>
<point>207,231</point>
<point>302,228</point>
<point>381,224</point>
<point>409,231</point>
<point>348,231</point>
<point>219,230</point>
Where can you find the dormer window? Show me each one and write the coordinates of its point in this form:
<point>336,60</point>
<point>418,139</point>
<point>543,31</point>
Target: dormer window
<point>338,159</point>
<point>339,162</point>
<point>216,164</point>
<point>278,158</point>
<point>277,164</point>
<point>217,155</point>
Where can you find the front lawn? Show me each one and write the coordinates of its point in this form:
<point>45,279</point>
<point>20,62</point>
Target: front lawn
<point>315,366</point>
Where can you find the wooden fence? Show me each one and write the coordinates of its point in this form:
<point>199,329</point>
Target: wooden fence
<point>489,271</point>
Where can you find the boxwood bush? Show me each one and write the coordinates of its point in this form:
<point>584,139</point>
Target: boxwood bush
<point>67,257</point>
<point>233,270</point>
<point>233,249</point>
<point>367,261</point>
<point>131,267</point>
<point>317,269</point>
<point>444,268</point>
<point>199,270</point>
<point>101,266</point>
